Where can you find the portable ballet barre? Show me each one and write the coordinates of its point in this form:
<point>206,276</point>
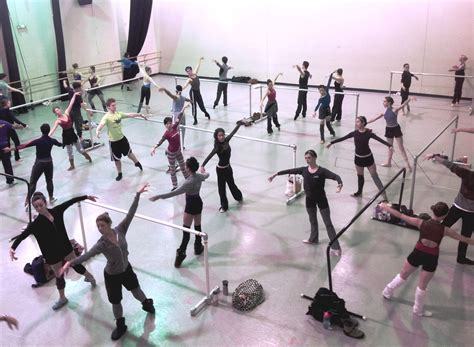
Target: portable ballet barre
<point>312,90</point>
<point>28,190</point>
<point>176,78</point>
<point>423,74</point>
<point>455,120</point>
<point>204,302</point>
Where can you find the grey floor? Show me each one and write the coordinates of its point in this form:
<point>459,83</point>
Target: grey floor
<point>260,239</point>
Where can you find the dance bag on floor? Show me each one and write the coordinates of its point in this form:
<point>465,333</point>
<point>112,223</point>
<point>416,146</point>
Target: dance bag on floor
<point>86,143</point>
<point>327,301</point>
<point>248,295</point>
<point>40,270</point>
<point>290,191</point>
<point>385,216</point>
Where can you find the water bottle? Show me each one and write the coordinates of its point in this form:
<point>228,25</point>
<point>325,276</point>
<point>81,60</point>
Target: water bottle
<point>225,287</point>
<point>327,320</point>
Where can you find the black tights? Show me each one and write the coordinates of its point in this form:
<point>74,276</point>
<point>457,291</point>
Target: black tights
<point>467,227</point>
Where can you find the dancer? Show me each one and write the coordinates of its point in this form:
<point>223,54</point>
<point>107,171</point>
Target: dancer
<point>314,178</point>
<point>95,81</point>
<point>7,115</point>
<point>118,271</point>
<point>271,108</point>
<point>224,171</point>
<point>406,83</point>
<point>5,87</point>
<point>76,74</point>
<point>463,206</point>
<point>425,254</point>
<point>336,114</point>
<point>145,92</point>
<point>69,136</point>
<point>173,152</point>
<point>192,210</point>
<point>324,107</point>
<point>302,94</point>
<point>393,130</point>
<point>195,92</point>
<point>118,142</point>
<point>79,103</point>
<point>363,155</point>
<point>458,71</point>
<point>222,86</point>
<point>177,106</point>
<point>6,133</point>
<point>43,163</point>
<point>50,232</point>
<point>127,66</point>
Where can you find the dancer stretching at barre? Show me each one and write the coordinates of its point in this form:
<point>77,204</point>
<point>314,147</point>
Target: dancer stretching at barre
<point>145,92</point>
<point>173,152</point>
<point>118,271</point>
<point>463,206</point>
<point>363,155</point>
<point>302,94</point>
<point>314,178</point>
<point>324,107</point>
<point>271,108</point>
<point>392,129</point>
<point>192,210</point>
<point>195,91</point>
<point>50,232</point>
<point>224,172</point>
<point>336,114</point>
<point>75,112</point>
<point>222,86</point>
<point>177,107</point>
<point>64,120</point>
<point>118,142</point>
<point>95,81</point>
<point>425,254</point>
<point>459,81</point>
<point>406,84</point>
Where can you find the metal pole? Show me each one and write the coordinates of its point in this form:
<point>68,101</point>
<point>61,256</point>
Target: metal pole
<point>454,138</point>
<point>402,187</point>
<point>413,178</point>
<point>294,166</point>
<point>250,100</point>
<point>390,87</point>
<point>81,219</point>
<point>204,240</point>
<point>357,105</point>
<point>176,81</point>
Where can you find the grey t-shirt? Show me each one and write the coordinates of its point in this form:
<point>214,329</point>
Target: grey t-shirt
<point>224,68</point>
<point>191,186</point>
<point>116,255</point>
<point>4,88</point>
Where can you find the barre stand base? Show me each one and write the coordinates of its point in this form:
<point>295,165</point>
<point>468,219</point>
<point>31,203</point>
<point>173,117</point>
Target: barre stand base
<point>206,301</point>
<point>94,146</point>
<point>292,198</point>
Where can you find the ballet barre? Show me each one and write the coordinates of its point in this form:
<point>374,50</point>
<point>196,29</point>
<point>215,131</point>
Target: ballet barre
<point>27,191</point>
<point>423,74</point>
<point>455,120</point>
<point>208,298</point>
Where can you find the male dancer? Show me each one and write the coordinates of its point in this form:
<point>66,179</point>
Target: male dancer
<point>302,94</point>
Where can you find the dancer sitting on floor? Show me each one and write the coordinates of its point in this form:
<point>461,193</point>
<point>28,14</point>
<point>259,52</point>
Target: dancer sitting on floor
<point>425,254</point>
<point>70,138</point>
<point>314,178</point>
<point>50,233</point>
<point>363,155</point>
<point>392,129</point>
<point>224,172</point>
<point>118,271</point>
<point>193,209</point>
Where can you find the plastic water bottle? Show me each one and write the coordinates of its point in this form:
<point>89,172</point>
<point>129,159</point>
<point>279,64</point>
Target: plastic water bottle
<point>225,287</point>
<point>327,320</point>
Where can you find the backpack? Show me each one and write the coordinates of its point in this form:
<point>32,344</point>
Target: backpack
<point>327,301</point>
<point>248,295</point>
<point>40,270</point>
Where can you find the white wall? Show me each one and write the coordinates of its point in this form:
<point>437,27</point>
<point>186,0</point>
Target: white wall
<point>366,38</point>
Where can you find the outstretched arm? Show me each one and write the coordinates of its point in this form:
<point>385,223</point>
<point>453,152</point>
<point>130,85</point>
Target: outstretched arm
<point>71,103</point>
<point>299,70</point>
<point>188,82</point>
<point>134,115</point>
<point>167,92</point>
<point>374,119</point>
<point>463,130</point>
<point>348,136</point>
<point>55,126</point>
<point>233,132</point>
<point>375,137</point>
<point>454,235</point>
<point>125,223</point>
<point>294,171</point>
<point>407,101</point>
<point>72,201</point>
<point>276,78</point>
<point>329,82</point>
<point>14,89</point>
<point>410,220</point>
<point>198,66</point>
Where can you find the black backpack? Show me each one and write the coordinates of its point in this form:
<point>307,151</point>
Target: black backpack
<point>39,270</point>
<point>327,301</point>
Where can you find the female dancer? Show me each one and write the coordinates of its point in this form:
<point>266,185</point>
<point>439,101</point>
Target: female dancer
<point>192,210</point>
<point>222,86</point>
<point>5,87</point>
<point>223,169</point>
<point>7,115</point>
<point>69,136</point>
<point>406,83</point>
<point>336,114</point>
<point>174,147</point>
<point>50,233</point>
<point>363,155</point>
<point>195,92</point>
<point>302,94</point>
<point>271,108</point>
<point>43,163</point>
<point>324,103</point>
<point>94,81</point>
<point>145,92</point>
<point>314,178</point>
<point>458,71</point>
<point>118,271</point>
<point>177,107</point>
<point>425,254</point>
<point>463,206</point>
<point>392,130</point>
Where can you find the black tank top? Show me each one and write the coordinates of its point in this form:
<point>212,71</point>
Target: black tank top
<point>337,87</point>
